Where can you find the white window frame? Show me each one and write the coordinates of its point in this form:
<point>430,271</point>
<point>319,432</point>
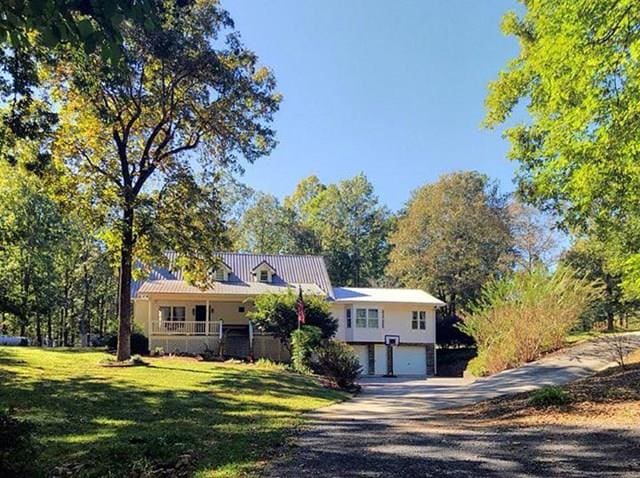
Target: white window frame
<point>348,317</point>
<point>267,276</point>
<point>373,320</point>
<point>366,319</point>
<point>419,320</point>
<point>173,317</point>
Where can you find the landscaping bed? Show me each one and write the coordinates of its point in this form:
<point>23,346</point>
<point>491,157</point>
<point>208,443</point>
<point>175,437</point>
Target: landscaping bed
<point>174,417</point>
<point>609,398</point>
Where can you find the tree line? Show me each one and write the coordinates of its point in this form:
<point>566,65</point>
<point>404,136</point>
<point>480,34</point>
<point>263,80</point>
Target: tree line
<point>119,122</point>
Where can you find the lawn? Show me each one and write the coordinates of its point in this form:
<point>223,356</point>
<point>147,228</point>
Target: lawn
<point>176,416</point>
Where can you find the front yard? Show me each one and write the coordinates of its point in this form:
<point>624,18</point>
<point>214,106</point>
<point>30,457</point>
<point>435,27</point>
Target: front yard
<point>176,417</point>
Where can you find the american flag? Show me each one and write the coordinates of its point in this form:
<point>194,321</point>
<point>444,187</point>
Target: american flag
<point>300,307</point>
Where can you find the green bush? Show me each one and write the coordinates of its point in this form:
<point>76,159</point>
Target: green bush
<point>524,315</point>
<point>267,364</point>
<point>338,362</point>
<point>304,341</point>
<point>549,396</point>
<point>16,446</point>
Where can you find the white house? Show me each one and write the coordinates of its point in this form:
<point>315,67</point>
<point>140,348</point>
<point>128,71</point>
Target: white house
<point>391,330</point>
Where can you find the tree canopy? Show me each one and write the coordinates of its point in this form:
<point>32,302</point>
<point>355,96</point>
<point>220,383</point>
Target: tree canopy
<point>186,92</point>
<point>451,238</point>
<point>579,72</point>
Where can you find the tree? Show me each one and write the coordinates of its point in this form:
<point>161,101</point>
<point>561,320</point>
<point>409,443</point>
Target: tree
<point>276,314</point>
<point>535,236</point>
<point>452,237</point>
<point>579,72</point>
<point>350,225</point>
<point>31,238</point>
<point>266,227</point>
<point>592,259</point>
<point>36,32</point>
<point>186,92</point>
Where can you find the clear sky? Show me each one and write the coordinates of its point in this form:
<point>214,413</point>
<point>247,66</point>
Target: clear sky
<point>394,89</point>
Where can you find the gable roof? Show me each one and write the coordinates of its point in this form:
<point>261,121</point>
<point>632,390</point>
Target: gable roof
<point>290,270</point>
<point>399,296</point>
<point>266,265</point>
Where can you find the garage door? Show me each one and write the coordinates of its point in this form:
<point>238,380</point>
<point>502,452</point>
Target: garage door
<point>363,357</point>
<point>381,359</point>
<point>408,360</point>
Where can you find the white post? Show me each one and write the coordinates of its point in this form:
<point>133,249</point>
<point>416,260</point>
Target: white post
<point>149,304</point>
<point>207,319</point>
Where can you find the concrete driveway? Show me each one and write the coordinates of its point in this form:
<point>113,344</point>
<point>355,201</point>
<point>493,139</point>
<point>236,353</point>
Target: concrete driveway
<point>397,427</point>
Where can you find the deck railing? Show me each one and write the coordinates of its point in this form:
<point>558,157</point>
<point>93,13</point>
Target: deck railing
<point>186,327</point>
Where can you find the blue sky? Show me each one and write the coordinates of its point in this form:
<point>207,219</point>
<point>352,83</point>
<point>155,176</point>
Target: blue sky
<point>394,89</point>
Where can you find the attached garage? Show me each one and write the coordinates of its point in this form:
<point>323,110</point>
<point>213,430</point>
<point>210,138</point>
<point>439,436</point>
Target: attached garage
<point>363,357</point>
<point>409,360</point>
<point>381,359</point>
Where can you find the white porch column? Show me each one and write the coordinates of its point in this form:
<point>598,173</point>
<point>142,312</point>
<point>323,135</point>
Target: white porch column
<point>149,304</point>
<point>207,319</point>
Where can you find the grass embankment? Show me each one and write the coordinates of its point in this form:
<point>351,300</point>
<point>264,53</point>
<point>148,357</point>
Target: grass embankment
<point>609,398</point>
<point>176,417</point>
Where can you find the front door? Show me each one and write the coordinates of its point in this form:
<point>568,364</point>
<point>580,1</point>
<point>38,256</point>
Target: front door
<point>201,316</point>
<point>201,313</point>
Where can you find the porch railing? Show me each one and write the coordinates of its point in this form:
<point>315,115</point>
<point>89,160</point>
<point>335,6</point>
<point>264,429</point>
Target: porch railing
<point>186,327</point>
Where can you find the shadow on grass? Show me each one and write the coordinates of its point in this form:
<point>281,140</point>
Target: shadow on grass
<point>108,427</point>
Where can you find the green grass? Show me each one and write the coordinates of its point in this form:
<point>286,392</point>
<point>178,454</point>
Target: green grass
<point>114,421</point>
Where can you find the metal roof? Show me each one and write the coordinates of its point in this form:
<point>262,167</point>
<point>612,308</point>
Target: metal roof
<point>399,296</point>
<point>224,288</point>
<point>289,270</point>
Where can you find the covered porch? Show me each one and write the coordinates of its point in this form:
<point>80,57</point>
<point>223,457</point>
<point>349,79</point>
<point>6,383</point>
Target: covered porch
<point>218,325</point>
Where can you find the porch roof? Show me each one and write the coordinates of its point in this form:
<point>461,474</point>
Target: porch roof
<point>224,288</point>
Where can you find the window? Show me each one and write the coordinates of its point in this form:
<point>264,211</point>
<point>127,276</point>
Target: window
<point>220,275</point>
<point>264,276</point>
<point>365,318</point>
<point>372,315</point>
<point>419,320</point>
<point>173,313</point>
<point>348,318</point>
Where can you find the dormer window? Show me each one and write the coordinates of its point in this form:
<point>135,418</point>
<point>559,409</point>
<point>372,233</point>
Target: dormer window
<point>221,274</point>
<point>264,272</point>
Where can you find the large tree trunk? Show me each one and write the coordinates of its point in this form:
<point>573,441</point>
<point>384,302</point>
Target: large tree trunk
<point>610,321</point>
<point>124,305</point>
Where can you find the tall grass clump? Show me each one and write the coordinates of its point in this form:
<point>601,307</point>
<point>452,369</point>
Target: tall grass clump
<point>524,315</point>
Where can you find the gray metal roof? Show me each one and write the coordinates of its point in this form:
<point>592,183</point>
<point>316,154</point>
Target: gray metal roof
<point>289,270</point>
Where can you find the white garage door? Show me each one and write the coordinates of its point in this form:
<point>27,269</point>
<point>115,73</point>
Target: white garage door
<point>381,359</point>
<point>363,357</point>
<point>408,360</point>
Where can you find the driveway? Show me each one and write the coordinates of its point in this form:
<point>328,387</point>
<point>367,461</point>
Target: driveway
<point>398,427</point>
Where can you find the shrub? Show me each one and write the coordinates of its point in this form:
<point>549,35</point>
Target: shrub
<point>549,396</point>
<point>16,446</point>
<point>139,343</point>
<point>304,341</point>
<point>524,315</point>
<point>267,364</point>
<point>276,315</point>
<point>337,361</point>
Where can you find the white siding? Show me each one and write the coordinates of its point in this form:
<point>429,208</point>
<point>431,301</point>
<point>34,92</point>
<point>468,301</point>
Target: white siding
<point>397,321</point>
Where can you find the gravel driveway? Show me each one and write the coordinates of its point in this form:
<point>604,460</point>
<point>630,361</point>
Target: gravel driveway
<point>400,427</point>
